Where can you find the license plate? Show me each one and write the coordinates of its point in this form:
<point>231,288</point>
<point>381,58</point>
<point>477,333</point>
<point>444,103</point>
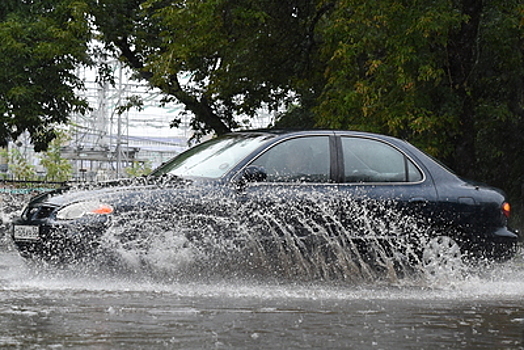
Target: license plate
<point>26,232</point>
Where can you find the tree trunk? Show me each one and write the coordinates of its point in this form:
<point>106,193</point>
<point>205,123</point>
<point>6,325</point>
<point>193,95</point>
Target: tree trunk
<point>463,52</point>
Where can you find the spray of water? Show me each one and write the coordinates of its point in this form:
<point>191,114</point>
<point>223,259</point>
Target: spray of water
<point>11,204</point>
<point>294,238</point>
<point>287,236</point>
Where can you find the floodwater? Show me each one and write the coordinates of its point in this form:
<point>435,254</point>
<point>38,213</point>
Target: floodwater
<point>88,307</point>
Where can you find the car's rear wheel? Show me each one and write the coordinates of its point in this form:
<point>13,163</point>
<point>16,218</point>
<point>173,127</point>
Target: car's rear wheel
<point>442,259</point>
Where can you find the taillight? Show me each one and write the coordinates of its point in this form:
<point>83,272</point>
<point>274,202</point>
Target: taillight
<point>506,209</point>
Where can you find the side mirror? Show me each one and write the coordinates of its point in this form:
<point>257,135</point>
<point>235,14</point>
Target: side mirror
<point>253,173</point>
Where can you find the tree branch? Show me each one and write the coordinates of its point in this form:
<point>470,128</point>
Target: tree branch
<point>200,108</point>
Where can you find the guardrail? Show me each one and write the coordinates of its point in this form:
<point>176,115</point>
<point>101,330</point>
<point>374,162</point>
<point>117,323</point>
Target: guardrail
<point>28,186</point>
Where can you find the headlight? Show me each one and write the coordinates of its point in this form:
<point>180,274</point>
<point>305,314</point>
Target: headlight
<point>78,210</point>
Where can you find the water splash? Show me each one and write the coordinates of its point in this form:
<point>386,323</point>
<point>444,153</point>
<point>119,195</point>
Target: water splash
<point>10,206</point>
<point>295,238</point>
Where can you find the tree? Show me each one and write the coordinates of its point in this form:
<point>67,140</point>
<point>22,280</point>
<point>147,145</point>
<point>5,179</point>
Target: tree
<point>139,169</point>
<point>57,168</point>
<point>19,166</point>
<point>441,74</point>
<point>447,75</point>
<point>429,72</point>
<point>221,59</point>
<point>42,43</point>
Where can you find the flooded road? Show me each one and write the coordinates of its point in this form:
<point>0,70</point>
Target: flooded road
<point>85,308</point>
<point>60,309</point>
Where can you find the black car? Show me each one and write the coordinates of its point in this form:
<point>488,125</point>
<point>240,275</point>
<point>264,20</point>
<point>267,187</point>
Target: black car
<point>337,200</point>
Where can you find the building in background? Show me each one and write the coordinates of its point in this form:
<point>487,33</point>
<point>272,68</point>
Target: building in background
<point>104,143</point>
<point>111,138</point>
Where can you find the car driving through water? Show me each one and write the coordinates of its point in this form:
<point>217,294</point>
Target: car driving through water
<point>281,193</point>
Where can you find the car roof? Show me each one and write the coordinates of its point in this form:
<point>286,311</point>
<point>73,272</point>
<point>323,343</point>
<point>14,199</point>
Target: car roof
<point>301,132</point>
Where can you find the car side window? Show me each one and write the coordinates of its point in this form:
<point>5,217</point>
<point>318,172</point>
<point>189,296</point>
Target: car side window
<point>367,160</point>
<point>302,159</point>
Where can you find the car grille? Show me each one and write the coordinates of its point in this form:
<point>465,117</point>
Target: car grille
<point>38,213</point>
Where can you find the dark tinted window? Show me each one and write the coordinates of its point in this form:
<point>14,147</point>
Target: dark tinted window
<point>368,160</point>
<point>304,159</point>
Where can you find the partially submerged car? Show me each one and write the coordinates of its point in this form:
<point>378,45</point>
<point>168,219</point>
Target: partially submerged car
<point>308,193</point>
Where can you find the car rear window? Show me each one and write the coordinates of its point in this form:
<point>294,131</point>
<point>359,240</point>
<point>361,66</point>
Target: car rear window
<point>368,160</point>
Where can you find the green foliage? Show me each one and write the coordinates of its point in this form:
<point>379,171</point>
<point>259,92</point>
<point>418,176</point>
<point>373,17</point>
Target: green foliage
<point>440,73</point>
<point>387,70</point>
<point>223,59</point>
<point>424,71</point>
<point>19,166</point>
<point>139,169</point>
<point>57,168</point>
<point>448,75</point>
<point>41,45</point>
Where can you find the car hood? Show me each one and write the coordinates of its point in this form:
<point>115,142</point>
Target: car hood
<point>113,191</point>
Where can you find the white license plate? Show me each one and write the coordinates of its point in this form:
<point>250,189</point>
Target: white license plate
<point>26,232</point>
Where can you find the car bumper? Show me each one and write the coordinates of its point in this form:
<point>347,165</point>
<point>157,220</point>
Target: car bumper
<point>503,233</point>
<point>499,244</point>
<point>58,243</point>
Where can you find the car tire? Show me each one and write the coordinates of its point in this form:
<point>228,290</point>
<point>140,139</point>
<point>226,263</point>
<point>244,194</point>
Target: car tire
<point>442,259</point>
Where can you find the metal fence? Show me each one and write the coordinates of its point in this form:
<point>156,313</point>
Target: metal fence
<point>28,186</point>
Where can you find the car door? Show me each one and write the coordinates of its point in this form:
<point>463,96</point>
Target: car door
<point>382,189</point>
<point>296,201</point>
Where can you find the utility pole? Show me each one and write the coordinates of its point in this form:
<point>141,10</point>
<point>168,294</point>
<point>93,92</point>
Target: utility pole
<point>119,124</point>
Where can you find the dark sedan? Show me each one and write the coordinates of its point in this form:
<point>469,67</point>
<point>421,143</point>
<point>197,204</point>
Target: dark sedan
<point>340,195</point>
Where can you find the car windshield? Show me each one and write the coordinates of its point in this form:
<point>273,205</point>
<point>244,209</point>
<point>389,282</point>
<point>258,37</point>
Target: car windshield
<point>213,158</point>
